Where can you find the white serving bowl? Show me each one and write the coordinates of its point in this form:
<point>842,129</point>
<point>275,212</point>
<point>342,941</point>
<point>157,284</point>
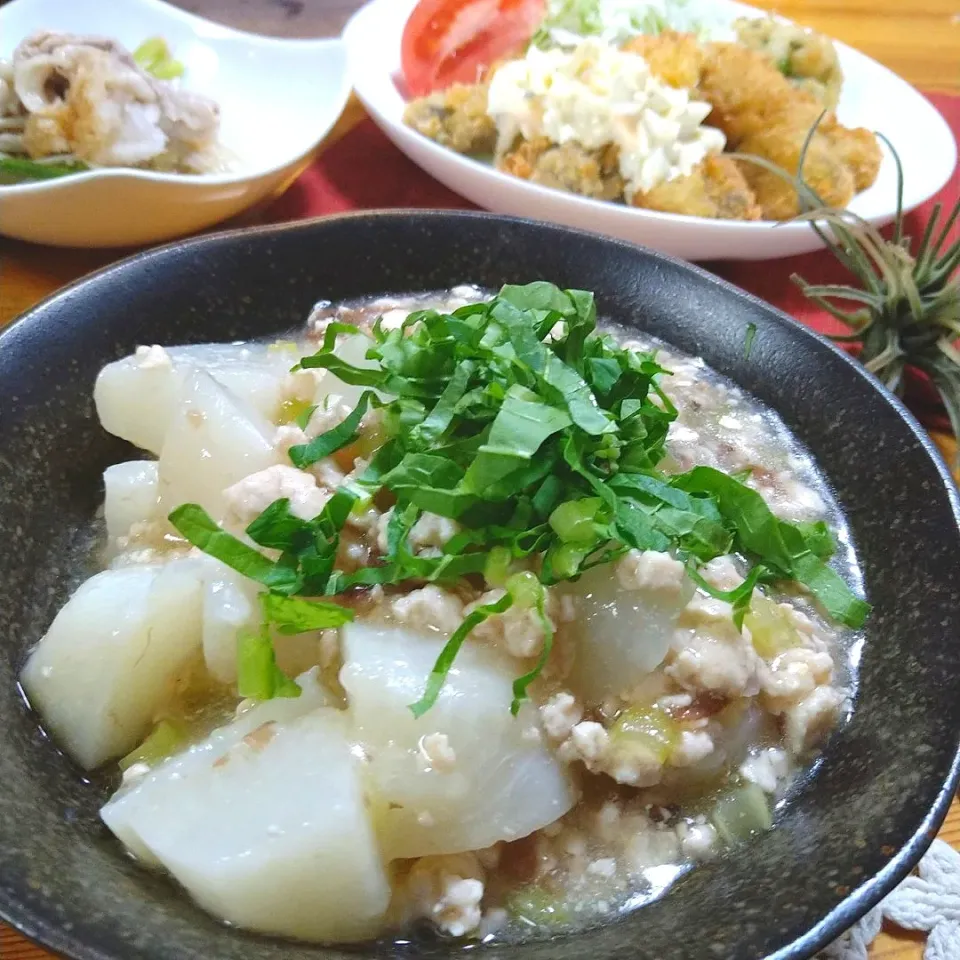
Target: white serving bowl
<point>873,97</point>
<point>278,98</point>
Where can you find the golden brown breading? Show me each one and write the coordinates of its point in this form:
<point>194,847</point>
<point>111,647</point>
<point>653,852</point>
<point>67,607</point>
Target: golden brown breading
<point>716,188</point>
<point>675,58</point>
<point>456,118</point>
<point>762,113</point>
<point>749,95</point>
<point>859,150</point>
<point>753,103</point>
<point>568,166</point>
<point>808,59</point>
<point>823,169</point>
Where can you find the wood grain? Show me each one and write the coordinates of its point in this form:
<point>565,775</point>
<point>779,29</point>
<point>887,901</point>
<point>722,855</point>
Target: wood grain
<point>919,39</point>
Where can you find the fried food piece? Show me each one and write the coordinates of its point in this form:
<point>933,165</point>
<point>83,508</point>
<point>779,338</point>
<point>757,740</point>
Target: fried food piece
<point>749,95</point>
<point>763,114</point>
<point>807,59</point>
<point>568,166</point>
<point>456,118</point>
<point>858,149</point>
<point>675,58</point>
<point>716,189</point>
<point>824,170</point>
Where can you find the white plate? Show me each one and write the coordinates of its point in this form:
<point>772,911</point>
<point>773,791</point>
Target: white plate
<point>873,97</point>
<point>278,98</point>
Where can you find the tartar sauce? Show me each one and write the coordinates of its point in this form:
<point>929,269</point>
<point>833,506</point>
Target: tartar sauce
<point>596,95</point>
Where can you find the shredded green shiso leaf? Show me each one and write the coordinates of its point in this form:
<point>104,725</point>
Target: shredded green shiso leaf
<point>542,438</point>
<point>19,169</point>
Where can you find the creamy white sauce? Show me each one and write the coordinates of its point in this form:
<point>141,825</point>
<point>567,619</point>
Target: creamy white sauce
<point>597,95</point>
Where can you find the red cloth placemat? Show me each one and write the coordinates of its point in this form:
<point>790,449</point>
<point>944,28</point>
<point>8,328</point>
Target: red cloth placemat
<point>365,171</point>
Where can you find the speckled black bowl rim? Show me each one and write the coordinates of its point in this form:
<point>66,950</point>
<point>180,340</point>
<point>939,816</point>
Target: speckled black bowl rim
<point>38,926</point>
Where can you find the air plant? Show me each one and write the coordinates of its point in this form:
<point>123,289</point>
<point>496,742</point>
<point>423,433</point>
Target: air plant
<point>904,311</point>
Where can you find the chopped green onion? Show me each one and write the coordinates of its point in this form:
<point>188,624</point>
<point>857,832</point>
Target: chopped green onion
<point>258,675</point>
<point>302,419</point>
<point>565,561</point>
<point>154,56</point>
<point>537,907</point>
<point>741,813</point>
<point>292,410</point>
<point>649,728</point>
<point>168,70</point>
<point>151,51</point>
<point>573,521</point>
<point>165,740</point>
<point>526,589</point>
<point>770,631</point>
<point>497,568</point>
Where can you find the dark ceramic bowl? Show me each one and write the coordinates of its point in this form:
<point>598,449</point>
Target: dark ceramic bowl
<point>855,829</point>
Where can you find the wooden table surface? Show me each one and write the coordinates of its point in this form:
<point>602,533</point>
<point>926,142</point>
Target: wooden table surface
<point>919,39</point>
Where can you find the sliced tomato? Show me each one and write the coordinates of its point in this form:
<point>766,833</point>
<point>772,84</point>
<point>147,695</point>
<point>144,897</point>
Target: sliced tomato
<point>454,41</point>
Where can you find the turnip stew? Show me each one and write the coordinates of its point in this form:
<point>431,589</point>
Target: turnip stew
<point>448,610</point>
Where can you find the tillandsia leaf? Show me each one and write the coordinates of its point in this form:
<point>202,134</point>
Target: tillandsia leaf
<point>838,290</point>
<point>945,265</point>
<point>948,226</point>
<point>924,247</point>
<point>898,218</point>
<point>909,316</point>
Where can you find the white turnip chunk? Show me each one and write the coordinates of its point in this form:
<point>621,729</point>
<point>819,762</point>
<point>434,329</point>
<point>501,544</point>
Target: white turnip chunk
<point>110,659</point>
<point>131,496</point>
<point>464,775</point>
<point>265,826</point>
<point>213,441</point>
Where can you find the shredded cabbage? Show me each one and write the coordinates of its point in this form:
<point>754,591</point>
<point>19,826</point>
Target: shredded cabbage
<point>568,21</point>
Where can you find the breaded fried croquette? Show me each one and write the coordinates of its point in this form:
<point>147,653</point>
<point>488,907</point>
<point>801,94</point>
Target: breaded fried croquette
<point>807,59</point>
<point>859,150</point>
<point>716,189</point>
<point>456,118</point>
<point>568,166</point>
<point>824,170</point>
<point>762,113</point>
<point>749,95</point>
<point>675,58</point>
